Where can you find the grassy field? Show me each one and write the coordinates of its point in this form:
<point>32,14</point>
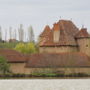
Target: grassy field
<point>8,45</point>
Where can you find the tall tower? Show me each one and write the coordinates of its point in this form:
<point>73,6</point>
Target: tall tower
<point>83,40</point>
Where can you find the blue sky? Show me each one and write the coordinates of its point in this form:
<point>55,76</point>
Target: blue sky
<point>38,13</point>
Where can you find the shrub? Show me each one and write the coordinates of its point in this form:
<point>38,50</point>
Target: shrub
<point>27,48</point>
<point>4,66</point>
<point>77,75</point>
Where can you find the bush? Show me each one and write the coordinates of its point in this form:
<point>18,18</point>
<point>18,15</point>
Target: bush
<point>46,74</point>
<point>27,48</point>
<point>8,75</point>
<point>18,75</point>
<point>4,66</point>
<point>8,45</point>
<point>77,75</point>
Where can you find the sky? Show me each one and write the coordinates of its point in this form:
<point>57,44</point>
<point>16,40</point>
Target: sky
<point>39,13</point>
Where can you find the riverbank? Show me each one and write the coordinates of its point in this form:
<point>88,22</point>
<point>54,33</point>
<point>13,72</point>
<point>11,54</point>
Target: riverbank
<point>44,78</point>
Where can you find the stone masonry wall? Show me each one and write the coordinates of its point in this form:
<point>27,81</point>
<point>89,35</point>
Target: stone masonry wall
<point>58,70</point>
<point>57,49</point>
<point>17,67</point>
<point>84,45</point>
<point>21,69</point>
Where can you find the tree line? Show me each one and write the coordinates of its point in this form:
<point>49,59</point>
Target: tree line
<point>20,34</point>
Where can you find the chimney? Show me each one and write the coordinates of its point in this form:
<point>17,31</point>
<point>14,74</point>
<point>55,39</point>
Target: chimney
<point>56,32</point>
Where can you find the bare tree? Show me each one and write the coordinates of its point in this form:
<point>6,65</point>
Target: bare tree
<point>0,34</point>
<point>25,36</point>
<point>21,32</point>
<point>5,34</point>
<point>14,34</point>
<point>30,34</point>
<point>10,32</point>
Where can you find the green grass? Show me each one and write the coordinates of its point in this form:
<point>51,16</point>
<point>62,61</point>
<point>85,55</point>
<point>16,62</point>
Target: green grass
<point>44,76</point>
<point>8,45</point>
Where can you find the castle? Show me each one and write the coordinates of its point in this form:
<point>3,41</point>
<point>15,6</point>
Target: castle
<point>63,49</point>
<point>64,37</point>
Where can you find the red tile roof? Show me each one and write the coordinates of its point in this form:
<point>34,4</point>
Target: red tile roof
<point>64,40</point>
<point>46,31</point>
<point>82,33</point>
<point>12,56</point>
<point>69,27</point>
<point>67,31</point>
<point>58,60</point>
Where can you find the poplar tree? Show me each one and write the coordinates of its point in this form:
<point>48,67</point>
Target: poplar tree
<point>30,34</point>
<point>21,33</point>
<point>6,35</point>
<point>0,34</point>
<point>4,65</point>
<point>14,34</point>
<point>10,32</point>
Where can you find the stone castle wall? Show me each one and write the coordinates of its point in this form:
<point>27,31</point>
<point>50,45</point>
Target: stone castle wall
<point>17,68</point>
<point>58,49</point>
<point>58,70</point>
<point>84,45</point>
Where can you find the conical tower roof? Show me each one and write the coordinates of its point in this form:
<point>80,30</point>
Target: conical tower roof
<point>82,33</point>
<point>46,31</point>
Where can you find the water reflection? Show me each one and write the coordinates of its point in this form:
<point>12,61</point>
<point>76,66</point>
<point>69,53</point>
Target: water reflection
<point>45,84</point>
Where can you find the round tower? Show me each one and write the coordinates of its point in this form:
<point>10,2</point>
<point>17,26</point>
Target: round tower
<point>83,41</point>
